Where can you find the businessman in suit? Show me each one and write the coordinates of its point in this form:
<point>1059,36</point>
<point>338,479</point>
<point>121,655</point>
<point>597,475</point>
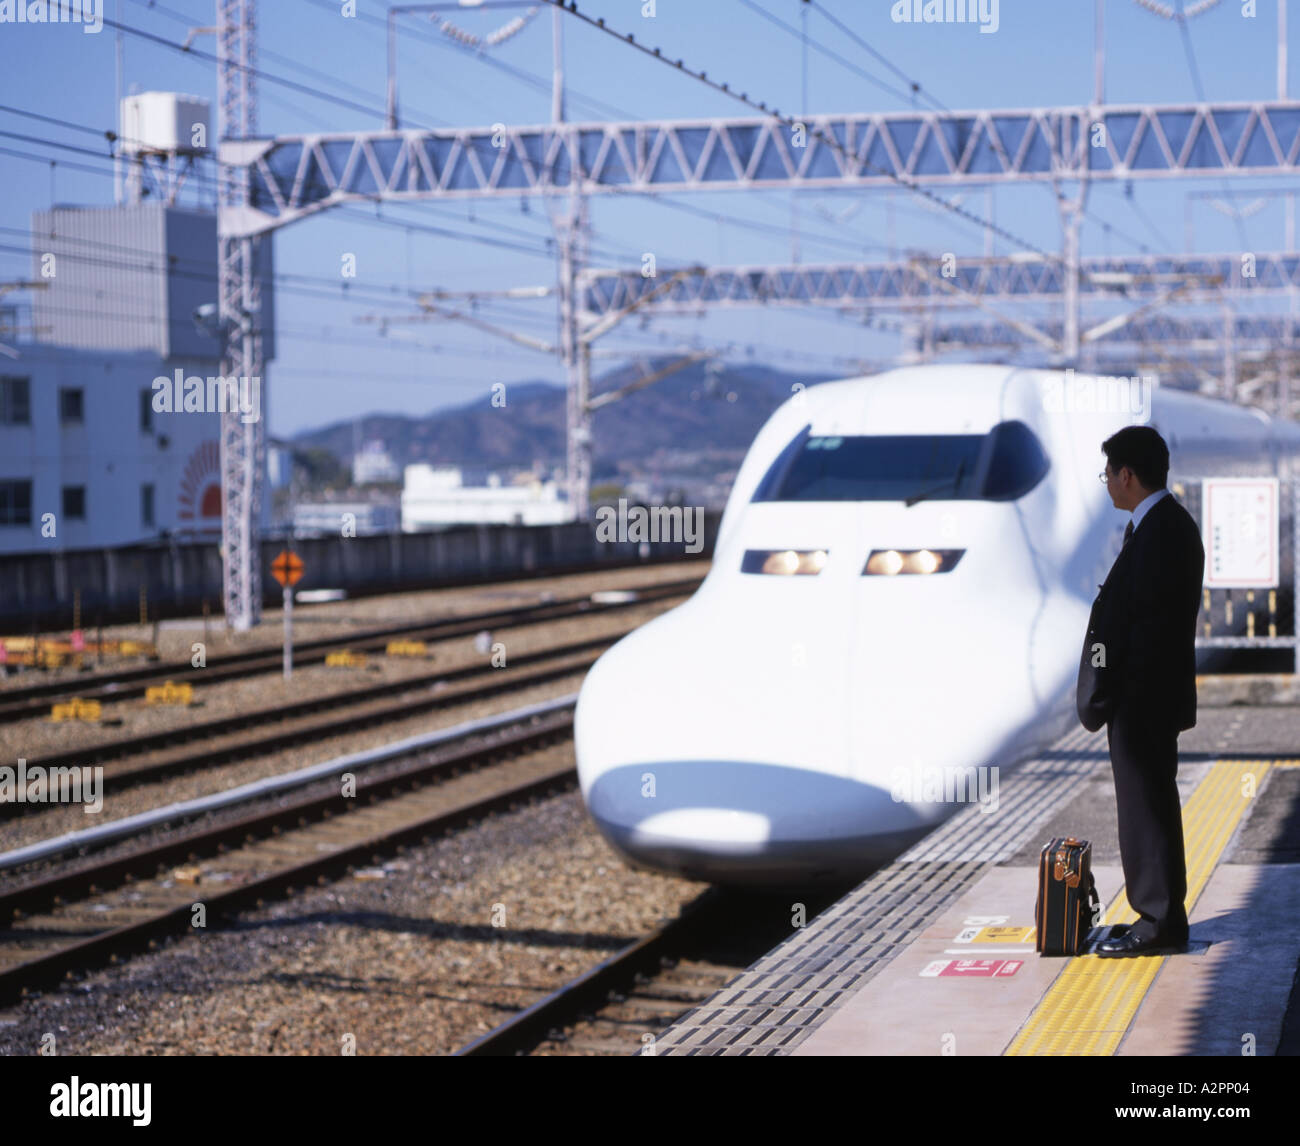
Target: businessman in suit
<point>1147,625</point>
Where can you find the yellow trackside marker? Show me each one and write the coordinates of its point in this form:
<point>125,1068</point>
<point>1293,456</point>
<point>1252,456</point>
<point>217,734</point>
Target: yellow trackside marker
<point>76,709</point>
<point>345,659</point>
<point>407,649</point>
<point>1090,1005</point>
<point>170,693</point>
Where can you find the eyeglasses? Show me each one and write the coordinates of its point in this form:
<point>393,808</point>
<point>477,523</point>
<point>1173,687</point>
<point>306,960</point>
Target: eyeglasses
<point>1105,477</point>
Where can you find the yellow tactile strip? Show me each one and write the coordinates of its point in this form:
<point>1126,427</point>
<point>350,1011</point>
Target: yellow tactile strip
<point>1088,1008</point>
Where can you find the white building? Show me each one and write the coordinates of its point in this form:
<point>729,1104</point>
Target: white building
<point>434,497</point>
<point>86,461</point>
<point>372,463</point>
<point>92,452</point>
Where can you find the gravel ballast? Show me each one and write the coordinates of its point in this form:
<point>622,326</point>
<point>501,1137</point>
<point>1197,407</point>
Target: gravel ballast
<point>409,962</point>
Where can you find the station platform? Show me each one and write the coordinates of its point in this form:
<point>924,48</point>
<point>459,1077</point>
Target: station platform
<point>934,954</point>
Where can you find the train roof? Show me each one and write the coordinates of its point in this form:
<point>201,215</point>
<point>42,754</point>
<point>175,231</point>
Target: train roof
<point>956,398</point>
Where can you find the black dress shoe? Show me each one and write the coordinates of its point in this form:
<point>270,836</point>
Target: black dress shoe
<point>1130,944</point>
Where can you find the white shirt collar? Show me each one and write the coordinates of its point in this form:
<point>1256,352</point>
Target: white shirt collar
<point>1140,510</point>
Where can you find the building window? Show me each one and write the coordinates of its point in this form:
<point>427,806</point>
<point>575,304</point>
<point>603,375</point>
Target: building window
<point>15,401</point>
<point>146,504</point>
<point>146,411</point>
<point>15,503</point>
<point>72,405</point>
<point>74,503</point>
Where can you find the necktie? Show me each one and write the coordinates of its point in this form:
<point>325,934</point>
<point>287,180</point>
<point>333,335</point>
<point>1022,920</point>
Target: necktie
<point>1128,532</point>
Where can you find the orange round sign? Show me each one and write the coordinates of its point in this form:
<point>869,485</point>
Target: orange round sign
<point>287,568</point>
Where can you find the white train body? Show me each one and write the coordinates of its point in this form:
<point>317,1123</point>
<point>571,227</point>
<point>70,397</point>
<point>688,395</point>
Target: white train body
<point>782,728</point>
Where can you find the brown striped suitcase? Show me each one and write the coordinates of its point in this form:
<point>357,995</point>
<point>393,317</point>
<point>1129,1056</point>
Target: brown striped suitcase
<point>1067,906</point>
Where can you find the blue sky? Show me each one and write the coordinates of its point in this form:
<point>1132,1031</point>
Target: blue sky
<point>329,366</point>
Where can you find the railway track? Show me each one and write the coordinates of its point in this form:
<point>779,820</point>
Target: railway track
<point>72,920</point>
<point>29,701</point>
<point>156,756</point>
<point>620,1006</point>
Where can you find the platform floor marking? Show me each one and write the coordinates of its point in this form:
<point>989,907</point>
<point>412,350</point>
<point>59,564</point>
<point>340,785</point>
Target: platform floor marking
<point>1091,1004</point>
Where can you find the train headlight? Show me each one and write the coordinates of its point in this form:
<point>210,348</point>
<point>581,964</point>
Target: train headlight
<point>889,562</point>
<point>924,561</point>
<point>784,562</point>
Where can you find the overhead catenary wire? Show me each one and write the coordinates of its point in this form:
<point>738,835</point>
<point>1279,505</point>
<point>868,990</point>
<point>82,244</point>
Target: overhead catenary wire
<point>827,52</point>
<point>491,309</point>
<point>538,83</point>
<point>968,216</point>
<point>247,69</point>
<point>843,27</point>
<point>829,140</point>
<point>753,225</point>
<point>1181,15</point>
<point>163,41</point>
<point>572,9</point>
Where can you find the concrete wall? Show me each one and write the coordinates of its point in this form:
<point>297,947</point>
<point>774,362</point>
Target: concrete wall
<point>39,586</point>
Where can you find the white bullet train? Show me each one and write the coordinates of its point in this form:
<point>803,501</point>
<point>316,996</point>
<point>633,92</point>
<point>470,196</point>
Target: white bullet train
<point>896,605</point>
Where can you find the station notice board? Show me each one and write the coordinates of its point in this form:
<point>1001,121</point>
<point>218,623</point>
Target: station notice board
<point>1240,532</point>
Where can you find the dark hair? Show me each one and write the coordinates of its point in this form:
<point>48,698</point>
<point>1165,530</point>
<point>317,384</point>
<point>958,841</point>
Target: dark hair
<point>1143,450</point>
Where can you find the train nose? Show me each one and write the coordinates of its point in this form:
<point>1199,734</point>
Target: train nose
<point>733,821</point>
<point>730,753</point>
<point>762,795</point>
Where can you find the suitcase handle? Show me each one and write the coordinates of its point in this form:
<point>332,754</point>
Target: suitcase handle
<point>1061,870</point>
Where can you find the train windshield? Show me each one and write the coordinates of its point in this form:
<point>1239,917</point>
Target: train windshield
<point>1001,465</point>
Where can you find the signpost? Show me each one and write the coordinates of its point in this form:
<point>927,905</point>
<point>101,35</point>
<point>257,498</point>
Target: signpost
<point>1241,533</point>
<point>287,569</point>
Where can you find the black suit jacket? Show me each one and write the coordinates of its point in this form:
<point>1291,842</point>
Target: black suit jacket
<point>1145,618</point>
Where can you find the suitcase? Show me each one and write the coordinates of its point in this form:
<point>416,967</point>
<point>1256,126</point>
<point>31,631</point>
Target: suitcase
<point>1068,905</point>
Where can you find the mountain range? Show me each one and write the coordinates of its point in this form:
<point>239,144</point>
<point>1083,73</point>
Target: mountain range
<point>698,421</point>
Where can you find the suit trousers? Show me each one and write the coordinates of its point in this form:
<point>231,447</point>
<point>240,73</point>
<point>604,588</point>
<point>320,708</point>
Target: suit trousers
<point>1144,762</point>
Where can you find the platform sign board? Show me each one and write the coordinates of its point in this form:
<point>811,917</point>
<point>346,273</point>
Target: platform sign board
<point>1240,532</point>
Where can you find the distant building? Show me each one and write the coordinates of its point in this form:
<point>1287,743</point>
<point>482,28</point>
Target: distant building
<point>279,464</point>
<point>435,497</point>
<point>131,278</point>
<point>80,440</point>
<point>346,518</point>
<point>373,464</point>
<point>86,434</point>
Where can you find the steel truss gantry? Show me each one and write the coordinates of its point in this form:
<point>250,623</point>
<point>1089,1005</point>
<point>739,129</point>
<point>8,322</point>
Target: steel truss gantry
<point>271,182</point>
<point>243,444</point>
<point>905,283</point>
<point>294,176</point>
